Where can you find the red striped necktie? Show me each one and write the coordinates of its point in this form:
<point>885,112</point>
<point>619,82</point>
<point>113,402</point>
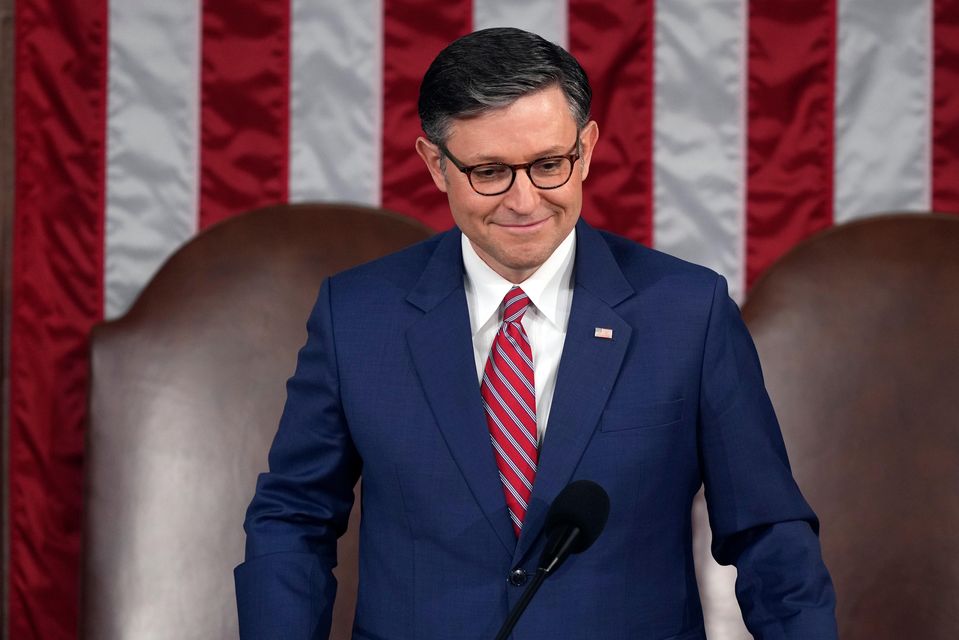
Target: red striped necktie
<point>509,398</point>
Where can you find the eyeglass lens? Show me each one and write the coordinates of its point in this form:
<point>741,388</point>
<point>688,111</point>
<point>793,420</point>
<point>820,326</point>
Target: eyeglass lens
<point>546,173</point>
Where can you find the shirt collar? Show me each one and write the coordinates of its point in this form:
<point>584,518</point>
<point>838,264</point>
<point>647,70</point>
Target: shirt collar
<point>485,288</point>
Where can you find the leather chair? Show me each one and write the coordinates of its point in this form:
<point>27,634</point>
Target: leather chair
<point>858,333</point>
<point>186,391</point>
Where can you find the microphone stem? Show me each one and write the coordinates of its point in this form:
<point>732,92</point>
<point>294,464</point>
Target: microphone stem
<point>521,604</point>
<point>563,552</point>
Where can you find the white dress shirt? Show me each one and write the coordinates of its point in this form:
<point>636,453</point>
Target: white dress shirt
<point>550,291</point>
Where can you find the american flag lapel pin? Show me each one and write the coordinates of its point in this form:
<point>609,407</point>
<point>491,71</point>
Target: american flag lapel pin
<point>603,332</point>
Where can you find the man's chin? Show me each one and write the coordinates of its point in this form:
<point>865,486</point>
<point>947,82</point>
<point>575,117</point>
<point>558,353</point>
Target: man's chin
<point>516,258</point>
<point>525,265</point>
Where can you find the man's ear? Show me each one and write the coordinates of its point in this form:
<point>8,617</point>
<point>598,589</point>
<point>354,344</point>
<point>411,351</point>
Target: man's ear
<point>431,156</point>
<point>588,137</point>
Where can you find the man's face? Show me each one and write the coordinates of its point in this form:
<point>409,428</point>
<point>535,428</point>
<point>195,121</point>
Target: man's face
<point>516,231</point>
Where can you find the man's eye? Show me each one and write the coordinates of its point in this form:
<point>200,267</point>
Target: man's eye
<point>548,166</point>
<point>490,173</point>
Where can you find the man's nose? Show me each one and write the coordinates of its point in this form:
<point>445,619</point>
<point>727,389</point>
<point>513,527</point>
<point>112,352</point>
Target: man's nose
<point>523,196</point>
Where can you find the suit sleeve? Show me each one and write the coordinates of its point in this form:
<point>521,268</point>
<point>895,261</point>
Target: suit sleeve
<point>285,587</point>
<point>760,521</point>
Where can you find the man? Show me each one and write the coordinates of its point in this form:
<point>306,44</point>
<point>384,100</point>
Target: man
<point>470,378</point>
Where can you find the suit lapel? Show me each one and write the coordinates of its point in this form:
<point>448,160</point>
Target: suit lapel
<point>441,347</point>
<point>587,373</point>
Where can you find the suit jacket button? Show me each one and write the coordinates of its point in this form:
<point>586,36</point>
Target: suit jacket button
<point>517,577</point>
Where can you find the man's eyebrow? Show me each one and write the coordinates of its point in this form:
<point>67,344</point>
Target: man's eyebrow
<point>555,150</point>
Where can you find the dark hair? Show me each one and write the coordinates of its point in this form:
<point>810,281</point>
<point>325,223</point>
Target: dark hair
<point>491,69</point>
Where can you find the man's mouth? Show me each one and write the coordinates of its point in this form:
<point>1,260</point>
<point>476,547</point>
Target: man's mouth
<point>523,226</point>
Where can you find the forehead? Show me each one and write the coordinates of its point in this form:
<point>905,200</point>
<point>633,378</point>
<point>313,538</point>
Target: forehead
<point>532,125</point>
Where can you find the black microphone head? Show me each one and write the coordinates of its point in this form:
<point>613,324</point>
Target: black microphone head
<point>582,504</point>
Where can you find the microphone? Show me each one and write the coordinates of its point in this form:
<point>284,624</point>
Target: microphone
<point>573,522</point>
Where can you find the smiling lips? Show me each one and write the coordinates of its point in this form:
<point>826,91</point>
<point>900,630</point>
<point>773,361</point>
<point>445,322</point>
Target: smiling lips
<point>529,226</point>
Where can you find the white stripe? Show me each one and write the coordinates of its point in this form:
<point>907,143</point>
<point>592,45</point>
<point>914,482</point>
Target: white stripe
<point>152,142</point>
<point>699,134</point>
<point>516,347</point>
<point>506,383</point>
<point>509,487</point>
<point>512,317</point>
<point>522,378</point>
<point>883,107</point>
<point>504,430</point>
<point>511,464</point>
<point>522,333</point>
<point>506,409</point>
<point>700,147</point>
<point>336,100</point>
<point>548,18</point>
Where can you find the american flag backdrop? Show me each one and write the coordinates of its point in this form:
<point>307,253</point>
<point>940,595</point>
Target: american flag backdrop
<point>729,131</point>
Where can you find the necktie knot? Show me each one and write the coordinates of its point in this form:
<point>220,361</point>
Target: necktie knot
<point>515,304</point>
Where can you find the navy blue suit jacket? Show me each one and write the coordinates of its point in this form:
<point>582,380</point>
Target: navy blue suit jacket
<point>386,386</point>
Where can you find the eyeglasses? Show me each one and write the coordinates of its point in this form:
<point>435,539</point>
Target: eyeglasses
<point>494,178</point>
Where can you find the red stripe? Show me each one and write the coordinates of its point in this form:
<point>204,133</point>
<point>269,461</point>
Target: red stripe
<point>515,479</point>
<point>413,33</point>
<point>945,127</point>
<point>57,276</point>
<point>613,40</point>
<point>244,113</point>
<point>792,50</point>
